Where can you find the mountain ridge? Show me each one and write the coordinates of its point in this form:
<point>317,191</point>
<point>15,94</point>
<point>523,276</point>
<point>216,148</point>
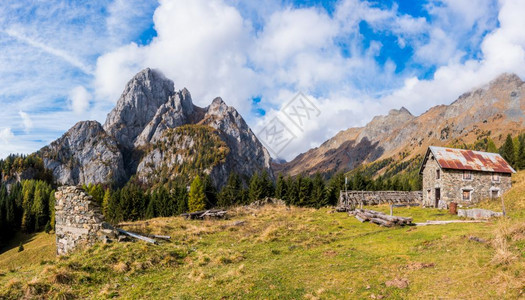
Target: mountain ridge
<point>493,109</point>
<point>147,109</point>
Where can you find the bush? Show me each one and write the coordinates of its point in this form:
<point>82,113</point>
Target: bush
<point>21,247</point>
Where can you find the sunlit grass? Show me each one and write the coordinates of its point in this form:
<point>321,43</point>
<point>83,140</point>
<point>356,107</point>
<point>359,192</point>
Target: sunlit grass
<point>288,253</point>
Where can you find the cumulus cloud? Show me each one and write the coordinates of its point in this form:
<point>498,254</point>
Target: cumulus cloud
<point>26,120</point>
<point>79,99</point>
<point>233,49</point>
<point>6,135</point>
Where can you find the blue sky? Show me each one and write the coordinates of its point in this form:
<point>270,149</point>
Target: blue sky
<point>66,61</point>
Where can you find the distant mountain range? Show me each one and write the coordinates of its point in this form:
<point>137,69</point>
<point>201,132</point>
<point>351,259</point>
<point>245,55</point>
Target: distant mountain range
<point>493,110</point>
<point>155,133</point>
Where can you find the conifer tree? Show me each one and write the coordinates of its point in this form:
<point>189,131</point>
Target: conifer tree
<point>267,185</point>
<point>280,188</point>
<point>197,198</point>
<point>507,151</point>
<point>231,193</point>
<point>210,191</point>
<point>318,195</point>
<point>257,188</point>
<point>520,159</point>
<point>491,147</point>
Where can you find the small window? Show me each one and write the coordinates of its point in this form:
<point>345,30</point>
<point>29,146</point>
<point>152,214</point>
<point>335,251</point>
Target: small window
<point>429,194</point>
<point>438,174</point>
<point>466,195</point>
<point>495,177</point>
<point>467,175</point>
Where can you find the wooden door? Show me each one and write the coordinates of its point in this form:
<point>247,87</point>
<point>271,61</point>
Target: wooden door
<point>438,196</point>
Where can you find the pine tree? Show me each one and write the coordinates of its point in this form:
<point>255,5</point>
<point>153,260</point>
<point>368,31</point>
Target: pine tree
<point>105,201</point>
<point>507,151</point>
<point>267,185</point>
<point>318,196</point>
<point>150,211</point>
<point>520,161</point>
<point>257,188</point>
<point>182,200</point>
<point>210,191</point>
<point>197,198</point>
<point>231,193</point>
<point>280,188</point>
<point>491,147</point>
<point>305,190</point>
<point>292,194</point>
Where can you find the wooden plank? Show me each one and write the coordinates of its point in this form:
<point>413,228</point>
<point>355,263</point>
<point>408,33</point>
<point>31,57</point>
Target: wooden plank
<point>137,236</point>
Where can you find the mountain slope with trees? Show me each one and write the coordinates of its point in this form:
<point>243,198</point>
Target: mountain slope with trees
<point>485,115</point>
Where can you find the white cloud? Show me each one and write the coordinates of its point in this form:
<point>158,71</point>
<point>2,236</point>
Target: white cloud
<point>56,52</point>
<point>6,135</point>
<point>26,120</point>
<point>79,99</point>
<point>233,49</point>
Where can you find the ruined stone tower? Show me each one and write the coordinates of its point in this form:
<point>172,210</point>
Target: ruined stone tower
<point>79,220</point>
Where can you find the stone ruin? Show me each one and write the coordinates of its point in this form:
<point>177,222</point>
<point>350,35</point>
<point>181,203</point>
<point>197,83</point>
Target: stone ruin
<point>79,220</point>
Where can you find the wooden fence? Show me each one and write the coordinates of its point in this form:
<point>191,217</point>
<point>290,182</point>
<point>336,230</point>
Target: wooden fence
<point>354,198</point>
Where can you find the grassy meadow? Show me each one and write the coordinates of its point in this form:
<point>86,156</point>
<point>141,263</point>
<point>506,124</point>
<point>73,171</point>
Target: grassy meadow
<point>279,252</point>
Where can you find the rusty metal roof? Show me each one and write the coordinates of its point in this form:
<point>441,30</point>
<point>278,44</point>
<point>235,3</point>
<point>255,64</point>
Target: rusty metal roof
<point>459,159</point>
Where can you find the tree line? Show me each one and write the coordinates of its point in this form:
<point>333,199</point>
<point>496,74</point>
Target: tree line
<point>27,206</point>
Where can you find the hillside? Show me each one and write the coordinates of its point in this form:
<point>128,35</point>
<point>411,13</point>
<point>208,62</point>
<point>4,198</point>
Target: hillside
<point>491,111</point>
<point>290,253</point>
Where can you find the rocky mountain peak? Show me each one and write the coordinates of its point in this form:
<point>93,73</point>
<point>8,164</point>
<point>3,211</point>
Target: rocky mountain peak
<point>217,107</point>
<point>154,128</point>
<point>138,104</point>
<point>506,79</point>
<point>84,154</point>
<point>186,101</point>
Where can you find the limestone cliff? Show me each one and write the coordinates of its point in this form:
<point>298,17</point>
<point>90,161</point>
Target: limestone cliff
<point>140,137</point>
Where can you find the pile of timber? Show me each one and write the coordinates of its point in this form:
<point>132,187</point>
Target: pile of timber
<point>379,218</point>
<point>205,214</point>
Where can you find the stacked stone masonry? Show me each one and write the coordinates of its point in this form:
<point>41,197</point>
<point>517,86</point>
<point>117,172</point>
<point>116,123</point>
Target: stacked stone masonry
<point>353,198</point>
<point>79,220</point>
<point>450,185</point>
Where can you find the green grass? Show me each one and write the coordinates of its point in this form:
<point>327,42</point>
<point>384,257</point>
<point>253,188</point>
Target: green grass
<point>282,253</point>
<point>37,247</point>
<point>285,253</point>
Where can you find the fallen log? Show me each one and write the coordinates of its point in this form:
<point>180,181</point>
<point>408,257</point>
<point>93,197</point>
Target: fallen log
<point>381,222</point>
<point>376,217</point>
<point>360,219</point>
<point>212,213</point>
<point>137,236</point>
<point>164,237</point>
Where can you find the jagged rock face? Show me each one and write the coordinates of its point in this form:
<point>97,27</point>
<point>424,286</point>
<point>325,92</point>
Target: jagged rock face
<point>137,106</point>
<point>177,111</point>
<point>83,155</point>
<point>247,155</point>
<point>494,110</point>
<point>147,111</point>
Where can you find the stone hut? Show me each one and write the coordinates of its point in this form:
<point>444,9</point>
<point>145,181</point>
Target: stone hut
<point>463,176</point>
<point>79,220</point>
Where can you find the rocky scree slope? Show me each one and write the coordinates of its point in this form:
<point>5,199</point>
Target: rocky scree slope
<point>138,138</point>
<point>493,110</point>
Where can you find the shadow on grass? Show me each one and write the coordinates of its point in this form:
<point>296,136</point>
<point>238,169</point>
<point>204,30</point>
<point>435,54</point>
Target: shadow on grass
<point>14,242</point>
